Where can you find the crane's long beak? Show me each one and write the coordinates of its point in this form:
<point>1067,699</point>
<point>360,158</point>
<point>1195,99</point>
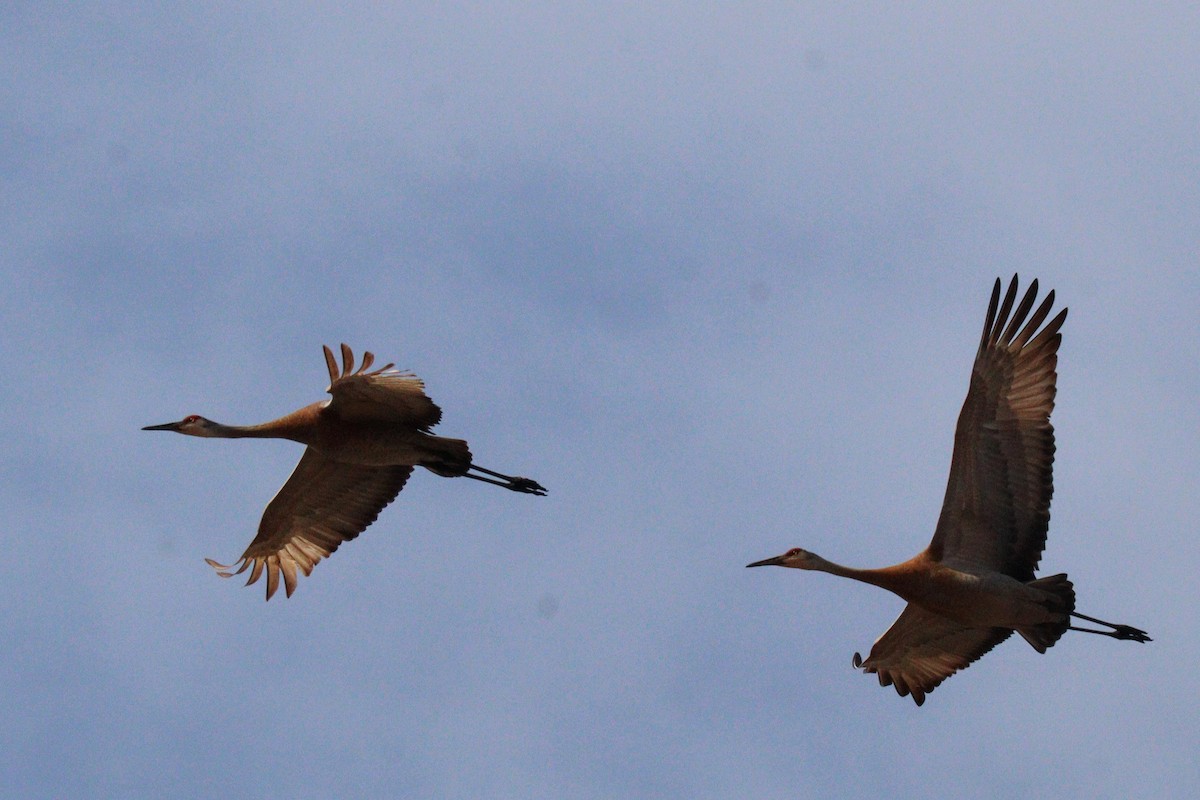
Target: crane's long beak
<point>777,561</point>
<point>166,426</point>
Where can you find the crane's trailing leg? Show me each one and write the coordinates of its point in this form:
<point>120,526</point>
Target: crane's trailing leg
<point>515,483</point>
<point>1118,631</point>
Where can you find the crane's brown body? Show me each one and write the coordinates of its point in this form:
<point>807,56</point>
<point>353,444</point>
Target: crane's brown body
<point>985,599</point>
<point>974,585</point>
<point>362,445</point>
<point>369,443</point>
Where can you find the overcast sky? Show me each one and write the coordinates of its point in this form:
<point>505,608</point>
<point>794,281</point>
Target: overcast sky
<point>714,276</point>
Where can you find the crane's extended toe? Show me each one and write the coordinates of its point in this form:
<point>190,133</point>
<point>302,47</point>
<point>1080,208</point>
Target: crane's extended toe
<point>527,485</point>
<point>1131,633</point>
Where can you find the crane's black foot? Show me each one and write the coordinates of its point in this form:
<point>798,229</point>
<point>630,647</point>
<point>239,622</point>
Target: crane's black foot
<point>527,485</point>
<point>1131,633</point>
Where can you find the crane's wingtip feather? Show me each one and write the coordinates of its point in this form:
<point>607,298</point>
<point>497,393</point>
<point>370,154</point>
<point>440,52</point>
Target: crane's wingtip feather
<point>331,365</point>
<point>226,570</point>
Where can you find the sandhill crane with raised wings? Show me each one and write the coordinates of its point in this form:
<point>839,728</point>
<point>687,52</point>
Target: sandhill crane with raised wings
<point>974,585</point>
<point>362,445</point>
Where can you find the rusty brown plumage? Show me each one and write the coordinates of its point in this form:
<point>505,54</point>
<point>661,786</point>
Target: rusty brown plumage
<point>362,446</point>
<point>974,585</point>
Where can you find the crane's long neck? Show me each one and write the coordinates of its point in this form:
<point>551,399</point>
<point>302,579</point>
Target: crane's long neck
<point>893,578</point>
<point>264,431</point>
<point>297,426</point>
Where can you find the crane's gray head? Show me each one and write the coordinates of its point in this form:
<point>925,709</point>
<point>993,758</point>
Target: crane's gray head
<point>191,425</point>
<point>795,558</point>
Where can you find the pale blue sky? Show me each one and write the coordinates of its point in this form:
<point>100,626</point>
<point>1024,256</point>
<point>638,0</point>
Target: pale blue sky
<point>713,276</point>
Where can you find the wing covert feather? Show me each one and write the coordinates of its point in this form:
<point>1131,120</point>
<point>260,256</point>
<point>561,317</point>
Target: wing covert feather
<point>382,395</point>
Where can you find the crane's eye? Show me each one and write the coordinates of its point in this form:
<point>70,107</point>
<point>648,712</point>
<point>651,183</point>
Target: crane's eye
<point>191,418</point>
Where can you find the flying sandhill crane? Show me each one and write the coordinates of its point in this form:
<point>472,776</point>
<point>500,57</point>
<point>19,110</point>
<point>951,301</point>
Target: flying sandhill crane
<point>362,446</point>
<point>974,585</point>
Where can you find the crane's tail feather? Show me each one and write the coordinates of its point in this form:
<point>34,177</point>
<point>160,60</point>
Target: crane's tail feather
<point>1060,598</point>
<point>451,457</point>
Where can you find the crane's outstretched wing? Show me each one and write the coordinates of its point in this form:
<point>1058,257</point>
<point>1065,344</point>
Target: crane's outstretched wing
<point>997,505</point>
<point>384,395</point>
<point>922,649</point>
<point>323,504</point>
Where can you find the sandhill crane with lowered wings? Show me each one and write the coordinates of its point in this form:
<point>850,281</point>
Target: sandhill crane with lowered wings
<point>362,446</point>
<point>974,585</point>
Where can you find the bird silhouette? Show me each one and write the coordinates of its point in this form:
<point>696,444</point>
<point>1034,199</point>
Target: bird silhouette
<point>362,444</point>
<point>974,584</point>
